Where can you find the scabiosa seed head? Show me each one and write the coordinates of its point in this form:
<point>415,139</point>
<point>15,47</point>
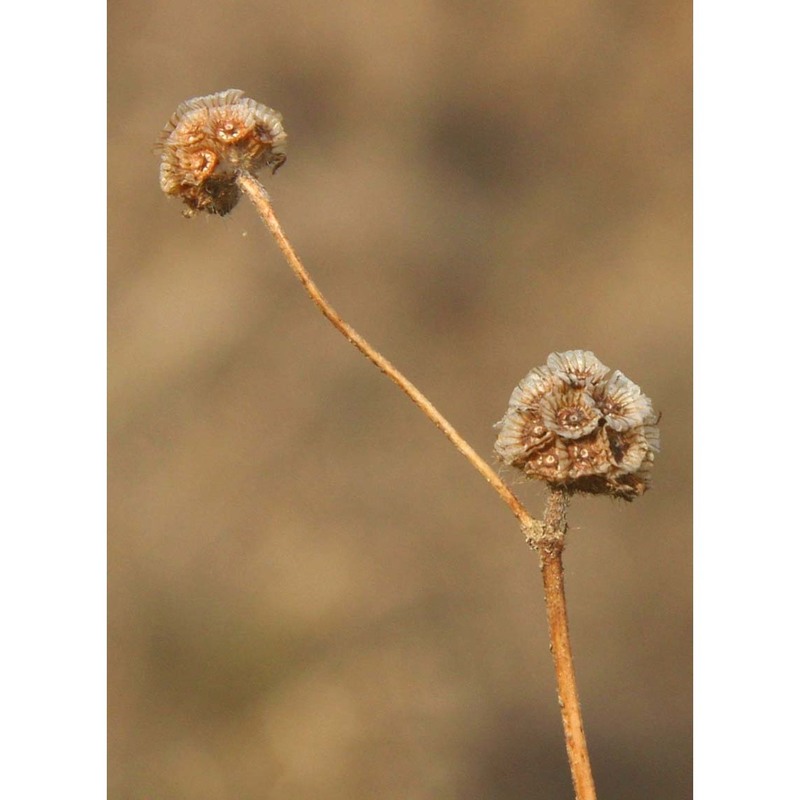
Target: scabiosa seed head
<point>579,426</point>
<point>208,140</point>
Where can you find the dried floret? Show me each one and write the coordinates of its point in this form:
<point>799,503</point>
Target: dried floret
<point>522,431</point>
<point>577,367</point>
<point>569,413</point>
<point>623,404</point>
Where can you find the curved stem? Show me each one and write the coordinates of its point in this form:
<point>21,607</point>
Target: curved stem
<point>550,546</point>
<point>256,192</point>
<point>547,538</point>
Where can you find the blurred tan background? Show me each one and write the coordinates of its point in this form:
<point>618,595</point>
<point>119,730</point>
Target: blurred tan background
<point>312,595</point>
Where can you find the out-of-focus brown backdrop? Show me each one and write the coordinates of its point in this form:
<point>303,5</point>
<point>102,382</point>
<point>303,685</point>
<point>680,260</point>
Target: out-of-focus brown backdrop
<point>312,595</point>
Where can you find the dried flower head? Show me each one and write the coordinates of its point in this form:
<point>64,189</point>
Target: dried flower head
<point>209,139</point>
<point>577,425</point>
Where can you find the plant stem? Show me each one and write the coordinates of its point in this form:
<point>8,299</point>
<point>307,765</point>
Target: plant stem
<point>550,546</point>
<point>547,538</point>
<point>254,189</point>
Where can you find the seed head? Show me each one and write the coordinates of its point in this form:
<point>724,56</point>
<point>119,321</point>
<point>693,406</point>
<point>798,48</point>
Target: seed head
<point>579,426</point>
<point>208,140</point>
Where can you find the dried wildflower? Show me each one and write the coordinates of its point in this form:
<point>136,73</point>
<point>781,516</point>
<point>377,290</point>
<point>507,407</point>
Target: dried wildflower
<point>579,426</point>
<point>208,140</point>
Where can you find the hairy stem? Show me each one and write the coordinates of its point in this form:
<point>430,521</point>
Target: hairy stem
<point>550,546</point>
<point>254,190</point>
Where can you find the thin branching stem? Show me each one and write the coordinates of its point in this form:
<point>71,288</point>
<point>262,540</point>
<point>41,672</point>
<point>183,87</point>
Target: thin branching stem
<point>254,189</point>
<point>547,537</point>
